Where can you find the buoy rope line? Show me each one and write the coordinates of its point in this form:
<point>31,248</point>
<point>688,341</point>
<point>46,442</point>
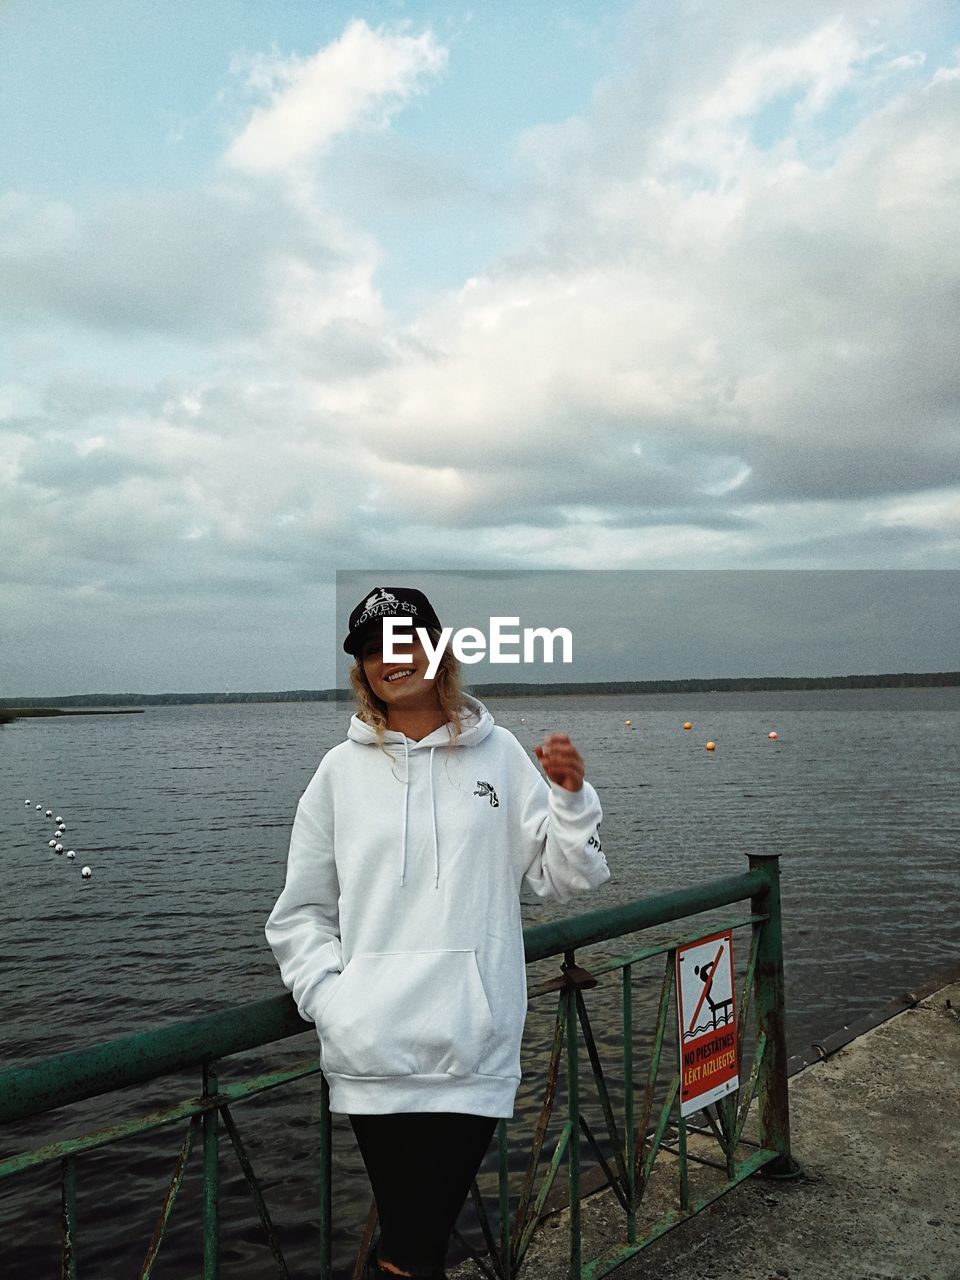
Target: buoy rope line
<point>56,844</point>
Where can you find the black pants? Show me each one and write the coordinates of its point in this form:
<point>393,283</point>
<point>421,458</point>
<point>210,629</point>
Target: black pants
<point>421,1165</point>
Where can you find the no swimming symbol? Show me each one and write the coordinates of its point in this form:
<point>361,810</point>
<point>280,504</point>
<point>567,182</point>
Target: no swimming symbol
<point>721,1010</point>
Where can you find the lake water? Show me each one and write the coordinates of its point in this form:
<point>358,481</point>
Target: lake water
<point>183,813</point>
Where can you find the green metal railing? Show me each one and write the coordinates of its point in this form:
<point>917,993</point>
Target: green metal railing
<point>642,1135</point>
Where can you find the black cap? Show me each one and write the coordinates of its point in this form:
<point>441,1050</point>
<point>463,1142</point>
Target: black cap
<point>388,602</point>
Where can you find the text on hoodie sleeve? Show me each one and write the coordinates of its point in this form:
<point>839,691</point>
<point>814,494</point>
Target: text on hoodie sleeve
<point>560,835</point>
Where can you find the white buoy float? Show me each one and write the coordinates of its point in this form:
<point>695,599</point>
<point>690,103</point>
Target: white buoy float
<point>26,802</point>
<point>59,821</point>
<point>86,873</point>
<point>71,854</point>
<point>39,807</point>
<point>49,813</point>
<point>62,827</point>
<point>58,848</point>
<point>52,843</point>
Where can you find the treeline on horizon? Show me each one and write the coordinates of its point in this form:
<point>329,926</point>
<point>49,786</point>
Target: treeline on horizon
<point>739,684</point>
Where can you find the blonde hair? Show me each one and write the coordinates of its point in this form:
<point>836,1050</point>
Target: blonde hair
<point>373,711</point>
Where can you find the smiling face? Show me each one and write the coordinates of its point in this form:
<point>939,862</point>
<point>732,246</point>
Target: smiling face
<point>402,686</point>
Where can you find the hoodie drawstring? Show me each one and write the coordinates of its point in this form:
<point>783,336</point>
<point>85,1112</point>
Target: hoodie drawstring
<point>433,813</point>
<point>406,809</point>
<point>406,805</point>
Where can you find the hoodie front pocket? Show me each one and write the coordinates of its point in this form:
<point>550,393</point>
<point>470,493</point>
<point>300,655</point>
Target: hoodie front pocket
<point>398,1013</point>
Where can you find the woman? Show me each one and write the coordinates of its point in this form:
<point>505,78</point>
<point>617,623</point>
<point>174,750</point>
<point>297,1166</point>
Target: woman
<point>399,931</point>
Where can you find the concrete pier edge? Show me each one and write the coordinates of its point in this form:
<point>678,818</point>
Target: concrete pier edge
<point>820,1050</point>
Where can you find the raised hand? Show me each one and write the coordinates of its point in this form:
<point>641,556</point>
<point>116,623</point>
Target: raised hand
<point>561,761</point>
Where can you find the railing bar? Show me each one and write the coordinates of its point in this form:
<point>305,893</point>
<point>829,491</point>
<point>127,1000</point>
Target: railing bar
<point>167,1207</point>
<point>730,1117</point>
<point>628,1103</point>
<point>493,1251</point>
<point>613,1179</point>
<point>543,1121</point>
<point>255,1192</point>
<point>721,1118</point>
<point>211,1179</point>
<point>541,941</point>
<point>751,1085</point>
<point>684,1170</point>
<point>141,1124</point>
<point>661,1128</point>
<point>601,1084</point>
<point>68,1191</point>
<point>713,1128</point>
<point>503,1188</point>
<point>654,1068</point>
<point>706,1133</point>
<point>597,968</point>
<point>670,944</point>
<point>366,1241</point>
<point>549,1179</point>
<point>748,1167</point>
<point>553,1168</point>
<point>137,1059</point>
<point>272,1080</point>
<point>325,1189</point>
<point>675,1151</point>
<point>614,1258</point>
<point>475,1257</point>
<point>747,990</point>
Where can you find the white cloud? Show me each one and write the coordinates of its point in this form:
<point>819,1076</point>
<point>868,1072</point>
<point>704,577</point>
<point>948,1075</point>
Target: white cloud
<point>820,65</point>
<point>938,511</point>
<point>799,322</point>
<point>363,76</point>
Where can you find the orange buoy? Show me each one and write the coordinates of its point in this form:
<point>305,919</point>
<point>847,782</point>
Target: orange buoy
<point>773,735</point>
<point>628,723</point>
<point>687,724</point>
<point>711,746</point>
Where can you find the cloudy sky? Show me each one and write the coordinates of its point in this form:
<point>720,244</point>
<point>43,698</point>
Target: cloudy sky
<point>288,288</point>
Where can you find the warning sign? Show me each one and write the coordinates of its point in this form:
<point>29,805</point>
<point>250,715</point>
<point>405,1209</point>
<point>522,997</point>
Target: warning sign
<point>708,1024</point>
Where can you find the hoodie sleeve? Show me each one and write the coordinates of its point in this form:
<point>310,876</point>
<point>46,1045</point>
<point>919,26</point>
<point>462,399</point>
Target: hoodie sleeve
<point>303,929</point>
<point>560,838</point>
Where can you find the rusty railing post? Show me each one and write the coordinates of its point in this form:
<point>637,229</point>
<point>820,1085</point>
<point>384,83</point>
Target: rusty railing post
<point>773,1093</point>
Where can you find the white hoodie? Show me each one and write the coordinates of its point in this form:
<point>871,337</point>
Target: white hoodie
<point>398,930</point>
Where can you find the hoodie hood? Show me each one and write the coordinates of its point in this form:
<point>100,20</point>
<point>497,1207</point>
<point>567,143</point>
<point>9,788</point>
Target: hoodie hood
<point>477,725</point>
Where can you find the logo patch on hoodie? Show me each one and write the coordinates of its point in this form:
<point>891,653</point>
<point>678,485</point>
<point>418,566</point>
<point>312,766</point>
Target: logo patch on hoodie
<point>486,789</point>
